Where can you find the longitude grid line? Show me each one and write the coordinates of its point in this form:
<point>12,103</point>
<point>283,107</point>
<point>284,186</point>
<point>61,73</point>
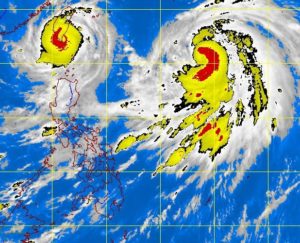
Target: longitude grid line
<point>106,109</point>
<point>160,114</point>
<point>214,164</point>
<point>268,121</point>
<point>52,97</point>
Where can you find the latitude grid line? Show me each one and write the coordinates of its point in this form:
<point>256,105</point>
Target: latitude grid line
<point>163,172</point>
<point>268,171</point>
<point>144,63</point>
<point>148,63</point>
<point>106,111</point>
<point>144,118</point>
<point>64,226</point>
<point>169,9</point>
<point>155,225</point>
<point>135,118</point>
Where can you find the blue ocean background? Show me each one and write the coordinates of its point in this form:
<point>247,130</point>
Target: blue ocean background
<point>139,23</point>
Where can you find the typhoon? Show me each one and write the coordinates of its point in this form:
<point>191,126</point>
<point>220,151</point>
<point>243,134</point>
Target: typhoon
<point>220,91</point>
<point>208,86</point>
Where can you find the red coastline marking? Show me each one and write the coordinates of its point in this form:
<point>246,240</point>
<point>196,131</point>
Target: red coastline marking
<point>90,144</point>
<point>32,15</point>
<point>213,63</point>
<point>60,44</point>
<point>90,135</point>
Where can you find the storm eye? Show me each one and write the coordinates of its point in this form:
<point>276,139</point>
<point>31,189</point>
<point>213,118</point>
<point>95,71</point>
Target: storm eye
<point>61,40</point>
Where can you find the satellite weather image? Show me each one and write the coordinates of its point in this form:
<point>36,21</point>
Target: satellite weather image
<point>168,121</point>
